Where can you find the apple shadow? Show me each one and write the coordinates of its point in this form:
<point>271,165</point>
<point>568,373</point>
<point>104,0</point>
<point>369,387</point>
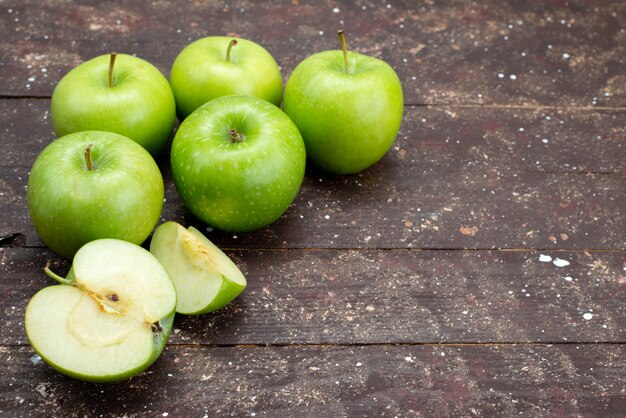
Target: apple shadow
<point>221,327</point>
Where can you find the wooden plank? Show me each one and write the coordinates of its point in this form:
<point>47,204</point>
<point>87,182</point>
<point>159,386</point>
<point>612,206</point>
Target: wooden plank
<point>372,297</point>
<point>488,52</point>
<point>528,380</point>
<point>456,178</point>
<point>388,207</point>
<point>505,139</point>
<point>346,314</point>
<point>26,130</point>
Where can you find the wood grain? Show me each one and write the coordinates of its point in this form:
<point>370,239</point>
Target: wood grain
<point>422,286</point>
<point>439,210</point>
<point>456,178</point>
<point>567,140</point>
<point>481,52</point>
<point>418,209</point>
<point>374,297</point>
<point>443,381</point>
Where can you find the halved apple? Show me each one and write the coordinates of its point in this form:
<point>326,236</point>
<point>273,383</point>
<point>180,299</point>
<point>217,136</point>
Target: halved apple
<point>205,278</point>
<point>109,319</point>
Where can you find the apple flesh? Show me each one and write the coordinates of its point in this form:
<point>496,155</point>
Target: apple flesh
<point>205,278</point>
<point>348,113</point>
<point>139,103</point>
<point>238,163</point>
<point>109,319</point>
<point>121,196</point>
<point>212,67</point>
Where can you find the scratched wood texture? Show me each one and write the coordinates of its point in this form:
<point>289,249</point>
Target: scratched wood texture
<point>417,288</point>
<point>454,52</point>
<point>554,180</point>
<point>384,297</point>
<point>334,381</point>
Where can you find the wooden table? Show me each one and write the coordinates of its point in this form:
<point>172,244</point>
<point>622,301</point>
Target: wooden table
<point>414,288</point>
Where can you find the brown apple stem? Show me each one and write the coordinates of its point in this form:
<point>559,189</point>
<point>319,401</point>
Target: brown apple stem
<point>236,136</point>
<point>231,44</point>
<point>342,39</point>
<point>88,157</point>
<point>55,276</point>
<point>111,64</point>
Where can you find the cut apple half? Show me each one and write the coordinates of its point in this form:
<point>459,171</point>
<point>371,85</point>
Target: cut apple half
<point>205,278</point>
<point>109,319</point>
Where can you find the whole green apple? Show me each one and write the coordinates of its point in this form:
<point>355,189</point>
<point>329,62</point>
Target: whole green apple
<point>91,185</point>
<point>116,93</point>
<point>220,66</point>
<point>109,319</point>
<point>347,106</point>
<point>238,163</point>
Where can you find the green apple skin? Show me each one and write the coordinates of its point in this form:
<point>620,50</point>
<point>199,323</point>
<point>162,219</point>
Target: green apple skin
<point>348,120</point>
<point>238,186</point>
<point>201,73</point>
<point>139,105</point>
<point>159,338</point>
<point>122,197</point>
<point>205,278</point>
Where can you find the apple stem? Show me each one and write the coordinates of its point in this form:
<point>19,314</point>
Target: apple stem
<point>342,39</point>
<point>88,157</point>
<point>231,44</point>
<point>236,136</point>
<point>55,276</point>
<point>111,64</point>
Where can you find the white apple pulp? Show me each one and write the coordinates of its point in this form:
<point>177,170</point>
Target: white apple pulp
<point>205,278</point>
<point>110,319</point>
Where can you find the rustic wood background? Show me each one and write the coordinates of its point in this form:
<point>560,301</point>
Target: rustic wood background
<point>414,288</point>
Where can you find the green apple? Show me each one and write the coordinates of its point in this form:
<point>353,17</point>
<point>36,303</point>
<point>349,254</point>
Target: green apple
<point>238,163</point>
<point>91,185</point>
<point>220,66</point>
<point>127,95</point>
<point>109,319</point>
<point>347,106</point>
<point>205,278</point>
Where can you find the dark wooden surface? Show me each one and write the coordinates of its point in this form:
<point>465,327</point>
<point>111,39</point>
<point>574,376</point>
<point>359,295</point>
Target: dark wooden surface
<point>415,288</point>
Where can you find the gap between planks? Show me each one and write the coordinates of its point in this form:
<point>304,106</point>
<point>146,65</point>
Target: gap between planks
<point>497,171</point>
<point>416,249</point>
<point>390,344</point>
<point>382,344</point>
<point>520,107</point>
<point>447,105</point>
